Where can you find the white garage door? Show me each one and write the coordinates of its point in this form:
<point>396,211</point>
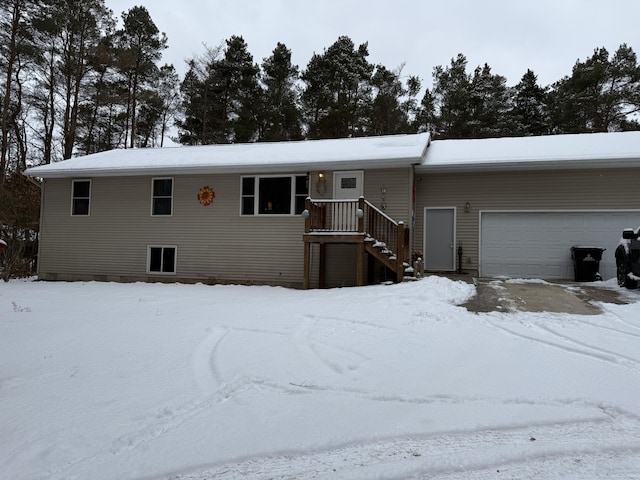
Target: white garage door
<point>538,244</point>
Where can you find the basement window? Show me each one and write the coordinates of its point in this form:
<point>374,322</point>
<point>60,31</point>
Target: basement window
<point>273,195</point>
<point>161,259</point>
<point>80,197</point>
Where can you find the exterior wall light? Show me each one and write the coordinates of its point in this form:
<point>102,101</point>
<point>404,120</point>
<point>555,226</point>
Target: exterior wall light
<point>321,184</point>
<point>467,207</point>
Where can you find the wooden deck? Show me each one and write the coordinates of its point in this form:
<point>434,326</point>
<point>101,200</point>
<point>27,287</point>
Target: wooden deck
<point>353,222</point>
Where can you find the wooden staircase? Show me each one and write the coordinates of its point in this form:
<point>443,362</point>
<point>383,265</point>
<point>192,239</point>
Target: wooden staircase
<point>354,221</point>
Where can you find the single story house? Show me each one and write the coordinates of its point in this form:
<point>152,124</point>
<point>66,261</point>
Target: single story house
<point>338,212</point>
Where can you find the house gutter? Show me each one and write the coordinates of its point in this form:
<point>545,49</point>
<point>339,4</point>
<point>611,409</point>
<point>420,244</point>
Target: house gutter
<point>186,169</point>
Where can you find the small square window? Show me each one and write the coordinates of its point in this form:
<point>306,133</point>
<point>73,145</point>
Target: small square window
<point>162,260</point>
<point>162,197</point>
<point>80,197</point>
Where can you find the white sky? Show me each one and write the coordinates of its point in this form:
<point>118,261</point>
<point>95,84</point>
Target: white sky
<point>547,36</point>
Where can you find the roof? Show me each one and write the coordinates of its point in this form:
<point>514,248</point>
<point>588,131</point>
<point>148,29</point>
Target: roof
<point>344,153</point>
<point>586,150</point>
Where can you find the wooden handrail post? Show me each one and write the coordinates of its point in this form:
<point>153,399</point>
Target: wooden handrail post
<point>307,220</point>
<point>361,217</point>
<point>400,253</point>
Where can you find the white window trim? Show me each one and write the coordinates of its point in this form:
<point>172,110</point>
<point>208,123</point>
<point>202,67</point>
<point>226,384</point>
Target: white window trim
<point>173,183</point>
<point>175,260</point>
<point>73,198</point>
<point>256,195</point>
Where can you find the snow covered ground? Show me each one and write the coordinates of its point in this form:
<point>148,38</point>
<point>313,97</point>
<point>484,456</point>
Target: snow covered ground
<point>151,381</point>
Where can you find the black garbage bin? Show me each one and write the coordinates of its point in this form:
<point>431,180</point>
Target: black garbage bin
<point>586,263</point>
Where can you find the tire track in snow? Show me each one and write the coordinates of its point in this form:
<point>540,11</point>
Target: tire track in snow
<point>347,360</point>
<point>451,455</point>
<point>568,345</point>
<point>205,362</point>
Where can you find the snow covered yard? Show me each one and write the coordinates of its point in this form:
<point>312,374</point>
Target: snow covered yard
<point>151,381</point>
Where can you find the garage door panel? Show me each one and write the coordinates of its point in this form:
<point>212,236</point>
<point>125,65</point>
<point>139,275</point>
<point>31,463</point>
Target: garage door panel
<point>538,244</point>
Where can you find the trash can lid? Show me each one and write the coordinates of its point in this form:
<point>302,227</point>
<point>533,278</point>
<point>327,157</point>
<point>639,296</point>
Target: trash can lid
<point>586,247</point>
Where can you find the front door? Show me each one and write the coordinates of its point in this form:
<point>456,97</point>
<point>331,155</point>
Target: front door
<point>346,186</point>
<point>439,239</point>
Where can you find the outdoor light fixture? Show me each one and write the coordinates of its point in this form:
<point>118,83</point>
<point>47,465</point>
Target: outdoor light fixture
<point>467,207</point>
<point>321,184</point>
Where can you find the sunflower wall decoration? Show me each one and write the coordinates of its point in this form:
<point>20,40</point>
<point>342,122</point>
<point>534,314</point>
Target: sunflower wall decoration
<point>206,195</point>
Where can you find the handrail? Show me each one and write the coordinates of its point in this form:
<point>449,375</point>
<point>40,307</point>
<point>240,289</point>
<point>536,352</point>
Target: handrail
<point>359,216</point>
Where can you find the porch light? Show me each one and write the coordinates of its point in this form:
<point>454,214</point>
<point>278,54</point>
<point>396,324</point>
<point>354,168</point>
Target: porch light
<point>321,184</point>
<point>467,207</point>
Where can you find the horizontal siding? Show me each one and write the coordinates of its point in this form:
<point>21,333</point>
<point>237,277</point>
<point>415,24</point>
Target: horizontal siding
<point>546,190</point>
<point>214,243</point>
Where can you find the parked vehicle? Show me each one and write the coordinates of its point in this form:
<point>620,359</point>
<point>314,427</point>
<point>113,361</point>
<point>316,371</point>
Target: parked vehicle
<point>628,258</point>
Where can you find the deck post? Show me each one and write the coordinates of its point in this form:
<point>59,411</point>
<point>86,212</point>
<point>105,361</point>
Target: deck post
<point>361,217</point>
<point>306,281</point>
<point>360,264</point>
<point>307,220</point>
<point>400,253</point>
<point>323,265</point>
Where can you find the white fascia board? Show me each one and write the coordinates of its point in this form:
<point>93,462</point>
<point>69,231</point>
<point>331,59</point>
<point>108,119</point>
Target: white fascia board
<point>222,169</point>
<point>547,164</point>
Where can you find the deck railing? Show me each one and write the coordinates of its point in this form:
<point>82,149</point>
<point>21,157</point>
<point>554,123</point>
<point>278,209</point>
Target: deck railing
<point>355,216</point>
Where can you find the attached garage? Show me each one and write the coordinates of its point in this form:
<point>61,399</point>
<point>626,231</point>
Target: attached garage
<point>520,204</point>
<point>537,244</point>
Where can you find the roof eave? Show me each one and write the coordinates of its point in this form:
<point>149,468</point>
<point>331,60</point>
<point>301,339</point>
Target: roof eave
<point>378,163</point>
<point>547,164</point>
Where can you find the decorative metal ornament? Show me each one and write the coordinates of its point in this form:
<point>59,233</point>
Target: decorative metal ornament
<point>206,195</point>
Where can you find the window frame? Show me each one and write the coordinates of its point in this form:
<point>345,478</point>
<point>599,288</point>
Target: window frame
<point>162,247</point>
<point>153,196</point>
<point>74,198</point>
<point>256,194</point>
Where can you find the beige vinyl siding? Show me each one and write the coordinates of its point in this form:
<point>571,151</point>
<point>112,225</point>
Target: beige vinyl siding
<point>214,243</point>
<point>525,190</point>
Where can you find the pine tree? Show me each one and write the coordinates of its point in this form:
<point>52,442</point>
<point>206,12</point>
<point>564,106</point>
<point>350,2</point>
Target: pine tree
<point>489,102</point>
<point>600,95</point>
<point>281,118</point>
<point>529,114</point>
<point>338,91</point>
<point>140,45</point>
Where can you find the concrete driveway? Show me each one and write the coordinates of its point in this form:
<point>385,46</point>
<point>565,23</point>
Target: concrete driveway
<point>504,295</point>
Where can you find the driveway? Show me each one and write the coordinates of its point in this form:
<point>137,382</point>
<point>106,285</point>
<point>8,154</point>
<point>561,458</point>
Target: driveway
<point>505,295</point>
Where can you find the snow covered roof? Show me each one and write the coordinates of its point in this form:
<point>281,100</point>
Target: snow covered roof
<point>344,153</point>
<point>611,150</point>
<point>587,150</point>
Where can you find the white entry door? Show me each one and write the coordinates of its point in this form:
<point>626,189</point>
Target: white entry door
<point>346,186</point>
<point>440,239</point>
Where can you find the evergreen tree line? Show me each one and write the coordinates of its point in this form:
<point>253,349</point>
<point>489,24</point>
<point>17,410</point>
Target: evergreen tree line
<point>74,81</point>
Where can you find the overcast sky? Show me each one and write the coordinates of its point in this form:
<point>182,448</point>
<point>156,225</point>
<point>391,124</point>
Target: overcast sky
<point>547,36</point>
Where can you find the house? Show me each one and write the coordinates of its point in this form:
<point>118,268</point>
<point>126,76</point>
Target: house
<point>241,213</point>
<point>231,213</point>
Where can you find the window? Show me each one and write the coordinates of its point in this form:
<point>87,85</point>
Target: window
<point>162,260</point>
<point>162,196</point>
<point>284,195</point>
<point>80,197</point>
